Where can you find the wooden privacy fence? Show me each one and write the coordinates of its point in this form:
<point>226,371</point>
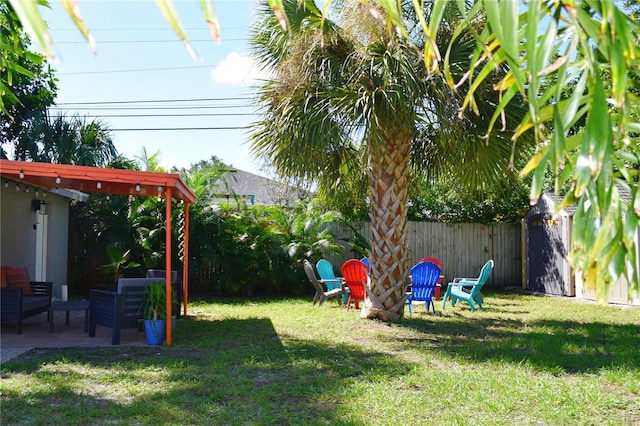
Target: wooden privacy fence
<point>461,247</point>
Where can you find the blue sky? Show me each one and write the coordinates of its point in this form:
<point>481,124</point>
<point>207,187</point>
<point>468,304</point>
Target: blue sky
<point>139,58</point>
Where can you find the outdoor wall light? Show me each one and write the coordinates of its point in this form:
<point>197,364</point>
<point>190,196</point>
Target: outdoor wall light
<point>99,185</point>
<point>138,187</point>
<point>58,179</point>
<point>37,193</point>
<point>26,189</point>
<point>17,187</point>
<point>21,174</point>
<point>6,184</point>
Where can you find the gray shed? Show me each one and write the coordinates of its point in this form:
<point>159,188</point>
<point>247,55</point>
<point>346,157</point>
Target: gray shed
<point>546,243</point>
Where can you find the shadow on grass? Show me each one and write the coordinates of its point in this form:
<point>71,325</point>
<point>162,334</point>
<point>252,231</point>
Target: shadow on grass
<point>230,371</point>
<point>571,346</point>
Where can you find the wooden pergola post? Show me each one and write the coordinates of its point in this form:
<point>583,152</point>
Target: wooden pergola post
<point>185,262</point>
<point>167,268</point>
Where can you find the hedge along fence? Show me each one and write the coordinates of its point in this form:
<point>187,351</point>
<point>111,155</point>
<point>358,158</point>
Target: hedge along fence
<point>461,247</point>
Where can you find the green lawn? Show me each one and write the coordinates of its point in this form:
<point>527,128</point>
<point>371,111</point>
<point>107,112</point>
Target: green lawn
<point>524,360</point>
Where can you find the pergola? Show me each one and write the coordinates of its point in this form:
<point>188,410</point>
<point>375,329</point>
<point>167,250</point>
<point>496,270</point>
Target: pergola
<point>115,181</point>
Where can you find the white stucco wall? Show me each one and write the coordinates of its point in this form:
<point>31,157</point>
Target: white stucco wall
<point>18,236</point>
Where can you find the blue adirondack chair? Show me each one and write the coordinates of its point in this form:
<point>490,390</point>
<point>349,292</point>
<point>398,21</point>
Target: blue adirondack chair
<point>424,278</point>
<point>328,277</point>
<point>468,289</point>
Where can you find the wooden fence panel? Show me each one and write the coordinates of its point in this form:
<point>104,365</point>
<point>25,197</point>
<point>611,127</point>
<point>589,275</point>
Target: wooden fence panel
<point>461,247</point>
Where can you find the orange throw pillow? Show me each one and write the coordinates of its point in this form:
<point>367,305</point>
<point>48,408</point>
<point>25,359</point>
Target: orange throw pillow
<point>3,277</point>
<point>19,278</point>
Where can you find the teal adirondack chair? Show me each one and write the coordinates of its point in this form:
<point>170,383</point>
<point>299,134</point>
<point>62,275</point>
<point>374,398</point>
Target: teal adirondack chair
<point>468,289</point>
<point>328,277</point>
<point>321,295</point>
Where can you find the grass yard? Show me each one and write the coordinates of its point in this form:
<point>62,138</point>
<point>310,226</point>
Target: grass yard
<point>524,360</point>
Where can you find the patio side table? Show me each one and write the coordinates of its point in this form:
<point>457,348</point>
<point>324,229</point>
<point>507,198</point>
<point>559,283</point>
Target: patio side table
<point>71,305</point>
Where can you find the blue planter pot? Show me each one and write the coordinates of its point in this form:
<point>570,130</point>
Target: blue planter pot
<point>154,331</point>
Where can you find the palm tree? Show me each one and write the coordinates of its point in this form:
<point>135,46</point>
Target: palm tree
<point>350,95</point>
<point>65,140</point>
<point>149,162</point>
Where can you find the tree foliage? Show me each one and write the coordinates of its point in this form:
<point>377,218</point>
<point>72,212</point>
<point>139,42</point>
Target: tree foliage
<point>352,107</point>
<point>593,48</point>
<point>27,86</point>
<point>592,45</point>
<point>66,140</point>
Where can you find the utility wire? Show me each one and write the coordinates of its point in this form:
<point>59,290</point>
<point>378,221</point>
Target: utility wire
<point>237,114</point>
<point>135,70</point>
<point>148,108</point>
<point>153,101</point>
<point>98,42</point>
<point>166,29</point>
<point>179,128</point>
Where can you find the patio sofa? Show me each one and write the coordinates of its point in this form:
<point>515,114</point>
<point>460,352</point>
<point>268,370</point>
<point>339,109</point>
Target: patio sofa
<point>22,298</point>
<point>118,309</point>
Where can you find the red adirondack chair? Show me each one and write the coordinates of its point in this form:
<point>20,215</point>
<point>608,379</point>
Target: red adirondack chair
<point>356,278</point>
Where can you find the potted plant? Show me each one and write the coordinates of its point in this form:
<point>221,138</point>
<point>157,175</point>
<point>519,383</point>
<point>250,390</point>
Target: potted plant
<point>154,307</point>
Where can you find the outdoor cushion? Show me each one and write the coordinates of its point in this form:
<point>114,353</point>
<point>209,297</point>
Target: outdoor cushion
<point>34,302</point>
<point>19,278</point>
<point>3,277</point>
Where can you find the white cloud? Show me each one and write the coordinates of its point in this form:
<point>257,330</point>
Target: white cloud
<point>237,70</point>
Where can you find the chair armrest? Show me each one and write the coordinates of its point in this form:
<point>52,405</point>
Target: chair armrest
<point>458,279</point>
<point>462,284</point>
<point>337,280</point>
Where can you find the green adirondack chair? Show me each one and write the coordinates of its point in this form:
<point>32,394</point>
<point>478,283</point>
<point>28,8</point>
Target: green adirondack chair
<point>468,289</point>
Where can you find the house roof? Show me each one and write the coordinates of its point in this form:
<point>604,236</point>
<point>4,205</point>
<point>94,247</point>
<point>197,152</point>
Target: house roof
<point>96,179</point>
<point>256,189</point>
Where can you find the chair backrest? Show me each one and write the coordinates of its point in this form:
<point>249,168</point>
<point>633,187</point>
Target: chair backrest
<point>133,291</point>
<point>325,270</point>
<point>161,273</point>
<point>485,272</point>
<point>424,277</point>
<point>356,276</point>
<point>308,269</point>
<point>433,260</point>
<point>128,282</point>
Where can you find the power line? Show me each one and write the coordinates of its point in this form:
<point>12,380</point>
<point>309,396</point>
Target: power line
<point>148,108</point>
<point>153,101</point>
<point>178,128</point>
<point>167,29</point>
<point>237,114</point>
<point>99,42</point>
<point>135,70</point>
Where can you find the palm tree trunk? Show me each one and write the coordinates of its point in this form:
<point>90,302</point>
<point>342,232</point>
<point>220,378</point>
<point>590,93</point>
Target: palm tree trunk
<point>389,177</point>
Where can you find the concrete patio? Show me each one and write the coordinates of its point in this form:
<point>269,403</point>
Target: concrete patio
<point>36,335</point>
